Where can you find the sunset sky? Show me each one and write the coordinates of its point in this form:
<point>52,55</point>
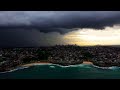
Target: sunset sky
<point>107,36</point>
<point>44,28</point>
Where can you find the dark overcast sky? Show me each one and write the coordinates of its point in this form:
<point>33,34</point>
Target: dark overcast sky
<point>28,28</point>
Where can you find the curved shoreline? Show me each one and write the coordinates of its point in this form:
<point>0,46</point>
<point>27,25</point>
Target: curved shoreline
<point>34,64</point>
<point>40,63</point>
<point>15,69</point>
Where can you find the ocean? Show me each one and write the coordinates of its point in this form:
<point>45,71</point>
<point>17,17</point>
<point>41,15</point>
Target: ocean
<point>51,71</point>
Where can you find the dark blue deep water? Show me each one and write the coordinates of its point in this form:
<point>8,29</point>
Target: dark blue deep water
<point>81,71</point>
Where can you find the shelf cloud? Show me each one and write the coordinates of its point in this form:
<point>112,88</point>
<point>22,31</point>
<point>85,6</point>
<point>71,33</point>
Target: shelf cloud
<point>58,21</point>
<point>44,28</point>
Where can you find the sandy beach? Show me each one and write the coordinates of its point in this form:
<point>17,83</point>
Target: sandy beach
<point>36,63</point>
<point>87,62</point>
<point>44,63</point>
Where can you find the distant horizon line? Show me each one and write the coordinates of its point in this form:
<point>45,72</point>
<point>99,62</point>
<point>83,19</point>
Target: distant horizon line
<point>54,45</point>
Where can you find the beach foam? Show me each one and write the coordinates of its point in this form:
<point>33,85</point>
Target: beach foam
<point>18,68</point>
<point>52,66</point>
<point>111,68</point>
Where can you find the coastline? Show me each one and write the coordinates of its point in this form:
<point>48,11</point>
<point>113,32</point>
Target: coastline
<point>87,62</point>
<point>40,63</point>
<point>35,63</point>
<point>48,63</point>
<point>26,66</point>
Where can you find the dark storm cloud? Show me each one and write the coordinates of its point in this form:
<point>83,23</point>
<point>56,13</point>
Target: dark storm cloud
<point>58,21</point>
<point>43,28</point>
<point>13,38</point>
<point>31,38</point>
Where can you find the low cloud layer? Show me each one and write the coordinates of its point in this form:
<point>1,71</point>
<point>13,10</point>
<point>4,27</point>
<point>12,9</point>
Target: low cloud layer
<point>31,38</point>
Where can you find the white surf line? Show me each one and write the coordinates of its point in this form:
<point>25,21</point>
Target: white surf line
<point>112,67</point>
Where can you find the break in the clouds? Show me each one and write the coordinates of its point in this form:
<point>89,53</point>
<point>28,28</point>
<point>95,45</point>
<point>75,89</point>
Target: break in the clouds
<point>107,36</point>
<point>58,21</point>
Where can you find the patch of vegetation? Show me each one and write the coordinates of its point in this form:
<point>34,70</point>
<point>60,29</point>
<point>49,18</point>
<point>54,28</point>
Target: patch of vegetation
<point>43,55</point>
<point>1,59</point>
<point>28,59</point>
<point>87,55</point>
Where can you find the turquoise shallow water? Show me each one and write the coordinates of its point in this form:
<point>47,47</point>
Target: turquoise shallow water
<point>81,71</point>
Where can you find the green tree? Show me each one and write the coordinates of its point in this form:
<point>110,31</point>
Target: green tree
<point>87,55</point>
<point>43,55</point>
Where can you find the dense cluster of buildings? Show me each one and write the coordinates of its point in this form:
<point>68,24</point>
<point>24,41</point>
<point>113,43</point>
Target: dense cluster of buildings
<point>105,55</point>
<point>13,57</point>
<point>60,54</point>
<point>66,55</point>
